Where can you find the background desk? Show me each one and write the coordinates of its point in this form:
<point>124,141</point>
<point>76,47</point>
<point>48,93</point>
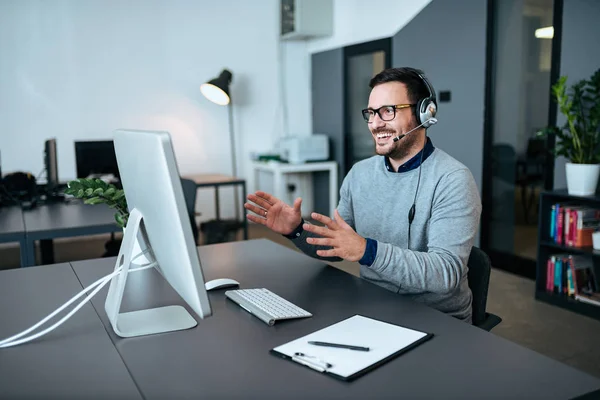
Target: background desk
<point>280,169</point>
<point>51,221</point>
<point>227,355</point>
<point>216,181</point>
<point>76,361</point>
<point>12,229</point>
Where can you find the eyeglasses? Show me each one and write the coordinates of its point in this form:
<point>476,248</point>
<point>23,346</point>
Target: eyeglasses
<point>386,113</point>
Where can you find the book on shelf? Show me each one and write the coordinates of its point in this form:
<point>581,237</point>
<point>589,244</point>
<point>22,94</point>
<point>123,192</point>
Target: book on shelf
<point>573,224</point>
<point>593,298</point>
<point>573,276</point>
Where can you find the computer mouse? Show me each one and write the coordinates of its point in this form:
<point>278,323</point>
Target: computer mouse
<point>220,283</point>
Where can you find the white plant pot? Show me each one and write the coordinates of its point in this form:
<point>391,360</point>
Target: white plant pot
<point>596,240</point>
<point>137,250</point>
<point>582,178</point>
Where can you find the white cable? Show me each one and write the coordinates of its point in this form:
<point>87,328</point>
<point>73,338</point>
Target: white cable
<point>68,303</point>
<point>100,283</point>
<point>81,304</point>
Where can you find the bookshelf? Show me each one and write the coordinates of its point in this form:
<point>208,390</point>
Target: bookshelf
<point>547,246</point>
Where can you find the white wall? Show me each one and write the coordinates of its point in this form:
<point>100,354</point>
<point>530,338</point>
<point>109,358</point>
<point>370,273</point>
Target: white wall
<point>357,21</point>
<point>77,70</point>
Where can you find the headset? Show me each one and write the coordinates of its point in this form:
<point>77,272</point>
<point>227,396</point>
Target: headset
<point>425,113</point>
<point>426,108</point>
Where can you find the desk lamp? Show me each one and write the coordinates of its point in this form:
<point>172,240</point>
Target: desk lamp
<point>217,91</point>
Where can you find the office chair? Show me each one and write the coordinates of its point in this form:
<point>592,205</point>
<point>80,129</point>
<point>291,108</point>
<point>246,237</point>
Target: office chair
<point>479,280</point>
<point>189,193</point>
<point>530,172</point>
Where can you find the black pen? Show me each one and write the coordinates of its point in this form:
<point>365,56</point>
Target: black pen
<point>342,346</point>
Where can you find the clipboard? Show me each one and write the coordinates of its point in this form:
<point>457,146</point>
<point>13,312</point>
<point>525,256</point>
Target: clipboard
<point>384,340</point>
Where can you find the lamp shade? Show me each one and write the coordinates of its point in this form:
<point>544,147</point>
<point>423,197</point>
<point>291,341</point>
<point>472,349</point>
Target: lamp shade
<point>217,90</point>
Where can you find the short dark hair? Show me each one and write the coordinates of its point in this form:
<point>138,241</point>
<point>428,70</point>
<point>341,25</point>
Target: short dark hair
<point>416,88</point>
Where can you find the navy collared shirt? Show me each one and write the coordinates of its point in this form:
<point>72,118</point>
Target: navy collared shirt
<point>413,163</point>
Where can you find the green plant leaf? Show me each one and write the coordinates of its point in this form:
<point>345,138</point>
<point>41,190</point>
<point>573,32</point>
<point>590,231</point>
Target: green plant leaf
<point>98,192</point>
<point>89,191</point>
<point>119,195</point>
<point>94,200</point>
<point>120,220</point>
<point>579,139</point>
<point>73,187</point>
<point>110,192</point>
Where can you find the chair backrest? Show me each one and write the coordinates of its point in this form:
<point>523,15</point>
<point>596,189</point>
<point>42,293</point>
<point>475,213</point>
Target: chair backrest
<point>479,280</point>
<point>189,193</point>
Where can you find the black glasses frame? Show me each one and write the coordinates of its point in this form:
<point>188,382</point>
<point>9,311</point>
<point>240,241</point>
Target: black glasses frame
<point>366,113</point>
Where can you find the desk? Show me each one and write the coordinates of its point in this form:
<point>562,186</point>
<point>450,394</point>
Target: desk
<point>76,361</point>
<point>279,169</point>
<point>12,228</point>
<point>227,355</point>
<point>216,181</point>
<point>51,221</point>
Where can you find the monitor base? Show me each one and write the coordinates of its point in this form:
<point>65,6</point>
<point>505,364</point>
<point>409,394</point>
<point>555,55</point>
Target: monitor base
<point>153,321</point>
<point>139,322</point>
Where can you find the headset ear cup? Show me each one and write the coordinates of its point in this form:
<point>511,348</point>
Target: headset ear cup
<point>418,114</point>
<point>427,111</point>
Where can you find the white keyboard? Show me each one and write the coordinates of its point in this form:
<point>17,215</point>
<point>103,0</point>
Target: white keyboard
<point>266,305</point>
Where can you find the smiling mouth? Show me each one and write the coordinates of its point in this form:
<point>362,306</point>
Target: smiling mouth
<point>383,136</point>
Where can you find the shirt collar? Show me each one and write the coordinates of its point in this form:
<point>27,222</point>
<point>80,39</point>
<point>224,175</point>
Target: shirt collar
<point>414,162</point>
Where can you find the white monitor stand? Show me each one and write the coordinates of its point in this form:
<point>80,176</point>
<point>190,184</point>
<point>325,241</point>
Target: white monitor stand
<point>142,322</point>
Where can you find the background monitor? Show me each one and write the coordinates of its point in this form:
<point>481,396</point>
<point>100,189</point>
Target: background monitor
<point>51,163</point>
<point>96,159</point>
<point>154,194</point>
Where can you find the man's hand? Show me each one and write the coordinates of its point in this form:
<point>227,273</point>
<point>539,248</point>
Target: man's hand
<point>345,242</point>
<point>274,213</point>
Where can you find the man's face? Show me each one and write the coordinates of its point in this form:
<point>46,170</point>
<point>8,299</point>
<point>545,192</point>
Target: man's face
<point>392,94</point>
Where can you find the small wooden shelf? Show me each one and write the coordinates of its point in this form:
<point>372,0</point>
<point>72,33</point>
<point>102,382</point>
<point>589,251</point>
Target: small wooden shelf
<point>569,303</point>
<point>568,249</point>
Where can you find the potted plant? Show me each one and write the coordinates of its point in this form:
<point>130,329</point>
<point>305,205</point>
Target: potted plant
<point>578,139</point>
<point>96,191</point>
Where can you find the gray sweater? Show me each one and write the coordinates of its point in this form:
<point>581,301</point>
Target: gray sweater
<point>432,268</point>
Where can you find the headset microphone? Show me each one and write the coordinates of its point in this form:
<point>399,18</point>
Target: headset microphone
<point>427,124</point>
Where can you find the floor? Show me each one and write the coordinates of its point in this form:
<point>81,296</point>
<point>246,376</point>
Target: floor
<point>554,332</point>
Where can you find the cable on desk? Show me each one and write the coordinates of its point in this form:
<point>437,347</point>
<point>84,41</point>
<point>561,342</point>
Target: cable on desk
<point>98,285</point>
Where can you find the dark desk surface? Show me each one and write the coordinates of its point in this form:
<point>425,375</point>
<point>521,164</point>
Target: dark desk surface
<point>69,219</point>
<point>12,227</point>
<point>77,360</point>
<point>227,355</point>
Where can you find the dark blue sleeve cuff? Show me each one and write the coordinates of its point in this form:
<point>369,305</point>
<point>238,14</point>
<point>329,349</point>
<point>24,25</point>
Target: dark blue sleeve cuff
<point>296,232</point>
<point>370,253</point>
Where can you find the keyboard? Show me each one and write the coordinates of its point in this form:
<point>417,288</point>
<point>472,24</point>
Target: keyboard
<point>266,305</point>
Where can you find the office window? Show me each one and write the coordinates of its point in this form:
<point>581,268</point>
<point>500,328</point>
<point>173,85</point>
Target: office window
<point>519,98</point>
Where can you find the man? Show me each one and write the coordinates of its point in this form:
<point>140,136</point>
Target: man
<point>408,215</point>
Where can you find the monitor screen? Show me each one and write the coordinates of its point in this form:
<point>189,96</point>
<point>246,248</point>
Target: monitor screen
<point>96,159</point>
<point>51,163</point>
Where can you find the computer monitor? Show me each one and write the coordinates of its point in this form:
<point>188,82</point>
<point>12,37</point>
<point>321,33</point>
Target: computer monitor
<point>51,163</point>
<point>159,219</point>
<point>96,159</point>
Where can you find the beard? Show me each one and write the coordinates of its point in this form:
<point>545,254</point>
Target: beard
<point>395,150</point>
